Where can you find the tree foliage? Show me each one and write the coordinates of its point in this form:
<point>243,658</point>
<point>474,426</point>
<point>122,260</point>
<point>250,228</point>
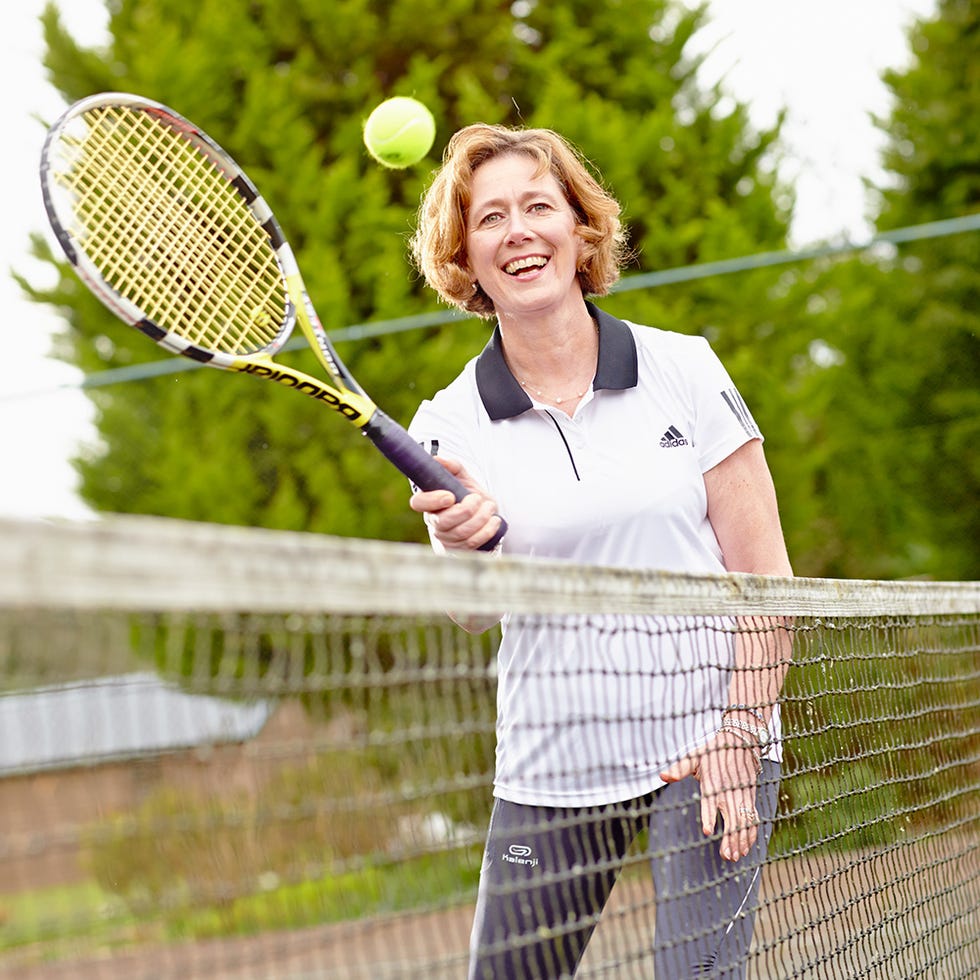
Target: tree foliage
<point>862,373</point>
<point>285,85</point>
<point>933,155</point>
<point>890,460</point>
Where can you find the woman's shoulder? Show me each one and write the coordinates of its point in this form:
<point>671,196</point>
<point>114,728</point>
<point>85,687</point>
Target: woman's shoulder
<point>453,398</point>
<point>661,343</point>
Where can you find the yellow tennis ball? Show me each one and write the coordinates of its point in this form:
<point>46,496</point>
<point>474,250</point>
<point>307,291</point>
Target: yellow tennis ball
<point>399,132</point>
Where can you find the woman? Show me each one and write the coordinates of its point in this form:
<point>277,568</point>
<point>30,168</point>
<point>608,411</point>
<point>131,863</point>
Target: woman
<point>607,443</point>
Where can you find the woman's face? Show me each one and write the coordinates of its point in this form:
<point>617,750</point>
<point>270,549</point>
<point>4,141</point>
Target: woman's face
<point>521,244</point>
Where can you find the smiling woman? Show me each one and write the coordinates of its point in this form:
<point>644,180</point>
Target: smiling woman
<point>608,443</point>
<point>524,254</point>
<point>439,245</point>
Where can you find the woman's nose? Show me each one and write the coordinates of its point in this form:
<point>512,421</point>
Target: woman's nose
<point>518,229</point>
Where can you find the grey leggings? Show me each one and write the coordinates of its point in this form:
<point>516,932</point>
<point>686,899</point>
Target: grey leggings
<point>547,873</point>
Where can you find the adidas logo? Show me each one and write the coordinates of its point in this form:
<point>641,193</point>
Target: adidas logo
<point>671,438</point>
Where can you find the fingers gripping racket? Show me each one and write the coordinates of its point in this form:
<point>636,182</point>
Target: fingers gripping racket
<point>170,234</point>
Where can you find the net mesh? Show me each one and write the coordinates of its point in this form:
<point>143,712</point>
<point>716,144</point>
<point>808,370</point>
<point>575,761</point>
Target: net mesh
<point>168,231</point>
<point>254,754</point>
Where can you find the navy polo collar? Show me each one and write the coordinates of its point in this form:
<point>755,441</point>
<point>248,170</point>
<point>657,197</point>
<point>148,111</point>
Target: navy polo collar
<point>504,398</point>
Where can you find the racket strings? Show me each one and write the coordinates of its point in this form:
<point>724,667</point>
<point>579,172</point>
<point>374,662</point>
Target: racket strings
<point>166,229</point>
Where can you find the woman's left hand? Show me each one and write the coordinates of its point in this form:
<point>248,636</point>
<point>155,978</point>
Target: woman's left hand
<point>726,770</point>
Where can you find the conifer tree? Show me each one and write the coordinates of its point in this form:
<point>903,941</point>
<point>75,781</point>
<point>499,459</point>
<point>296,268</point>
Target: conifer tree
<point>285,86</point>
<point>891,458</point>
<point>933,157</point>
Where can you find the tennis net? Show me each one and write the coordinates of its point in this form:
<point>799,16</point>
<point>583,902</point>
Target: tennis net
<point>240,753</point>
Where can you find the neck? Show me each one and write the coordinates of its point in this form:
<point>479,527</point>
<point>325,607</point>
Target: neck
<point>554,359</point>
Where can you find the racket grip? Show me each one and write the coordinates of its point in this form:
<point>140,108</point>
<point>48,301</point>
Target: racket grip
<point>426,472</point>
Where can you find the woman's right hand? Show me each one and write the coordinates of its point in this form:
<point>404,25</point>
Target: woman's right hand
<point>463,525</point>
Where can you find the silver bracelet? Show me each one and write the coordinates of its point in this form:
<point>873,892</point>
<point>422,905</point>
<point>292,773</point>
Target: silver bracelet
<point>749,743</point>
<point>761,734</point>
<point>747,708</point>
<point>752,746</point>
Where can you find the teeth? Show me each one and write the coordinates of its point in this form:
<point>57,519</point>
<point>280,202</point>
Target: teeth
<point>531,262</point>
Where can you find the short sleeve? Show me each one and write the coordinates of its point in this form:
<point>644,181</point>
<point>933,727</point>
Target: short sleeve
<point>723,420</point>
<point>439,426</point>
<point>443,426</point>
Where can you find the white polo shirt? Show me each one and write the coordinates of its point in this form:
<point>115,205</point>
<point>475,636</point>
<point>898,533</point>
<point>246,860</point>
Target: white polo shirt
<point>590,711</point>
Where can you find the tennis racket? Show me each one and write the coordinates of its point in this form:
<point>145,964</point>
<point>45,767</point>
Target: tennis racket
<point>170,234</point>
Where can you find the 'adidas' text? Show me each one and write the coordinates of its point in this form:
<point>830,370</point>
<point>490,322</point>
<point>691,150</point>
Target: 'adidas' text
<point>671,438</point>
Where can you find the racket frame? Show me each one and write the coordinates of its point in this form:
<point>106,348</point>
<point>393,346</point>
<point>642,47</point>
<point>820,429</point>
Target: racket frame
<point>344,395</point>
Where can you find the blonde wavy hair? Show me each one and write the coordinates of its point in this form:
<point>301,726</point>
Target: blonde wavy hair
<point>439,244</point>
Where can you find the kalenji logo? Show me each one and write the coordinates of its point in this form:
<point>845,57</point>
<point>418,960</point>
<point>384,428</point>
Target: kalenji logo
<point>520,854</point>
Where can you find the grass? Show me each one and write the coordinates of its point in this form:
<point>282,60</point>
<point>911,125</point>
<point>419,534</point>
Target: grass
<point>84,915</point>
<point>422,882</point>
<point>66,914</point>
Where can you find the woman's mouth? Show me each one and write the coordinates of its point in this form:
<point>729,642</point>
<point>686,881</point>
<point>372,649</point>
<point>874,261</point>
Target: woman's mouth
<point>517,266</point>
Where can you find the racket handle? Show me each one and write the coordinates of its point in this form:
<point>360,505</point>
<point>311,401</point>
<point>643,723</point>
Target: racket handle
<point>425,471</point>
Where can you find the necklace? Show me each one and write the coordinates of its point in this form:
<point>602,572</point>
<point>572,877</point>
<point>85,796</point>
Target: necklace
<point>544,396</point>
